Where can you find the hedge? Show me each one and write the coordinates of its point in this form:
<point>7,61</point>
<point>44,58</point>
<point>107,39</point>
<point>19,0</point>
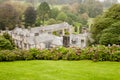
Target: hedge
<point>98,53</point>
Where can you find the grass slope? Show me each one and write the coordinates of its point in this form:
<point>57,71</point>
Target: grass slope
<point>59,70</point>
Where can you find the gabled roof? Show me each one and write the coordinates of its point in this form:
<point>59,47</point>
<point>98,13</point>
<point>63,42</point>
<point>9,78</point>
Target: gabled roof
<point>51,27</point>
<point>40,39</point>
<point>20,31</point>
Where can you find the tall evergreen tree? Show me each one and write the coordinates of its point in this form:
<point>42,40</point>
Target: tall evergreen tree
<point>30,16</point>
<point>43,11</point>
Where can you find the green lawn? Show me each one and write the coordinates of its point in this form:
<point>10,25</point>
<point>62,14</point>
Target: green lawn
<point>59,70</point>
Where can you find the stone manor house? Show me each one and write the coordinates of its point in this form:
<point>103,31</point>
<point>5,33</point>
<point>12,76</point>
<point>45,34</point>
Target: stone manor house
<point>43,37</point>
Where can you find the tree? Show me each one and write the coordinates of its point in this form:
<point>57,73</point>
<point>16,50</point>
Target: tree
<point>83,8</point>
<point>66,9</point>
<point>74,8</point>
<point>114,12</point>
<point>20,8</point>
<point>54,13</point>
<point>30,16</point>
<point>51,21</point>
<point>72,16</point>
<point>8,20</point>
<point>91,7</point>
<point>69,20</point>
<point>61,16</point>
<point>100,23</point>
<point>71,8</point>
<point>43,11</point>
<point>111,35</point>
<point>106,28</point>
<point>95,8</point>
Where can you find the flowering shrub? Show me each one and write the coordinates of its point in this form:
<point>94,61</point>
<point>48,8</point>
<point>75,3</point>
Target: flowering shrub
<point>98,53</point>
<point>7,55</point>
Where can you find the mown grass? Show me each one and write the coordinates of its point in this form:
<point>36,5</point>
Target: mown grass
<point>59,70</point>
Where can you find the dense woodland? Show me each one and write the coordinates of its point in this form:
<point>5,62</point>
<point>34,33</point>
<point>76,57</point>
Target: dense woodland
<point>71,11</point>
<point>81,9</point>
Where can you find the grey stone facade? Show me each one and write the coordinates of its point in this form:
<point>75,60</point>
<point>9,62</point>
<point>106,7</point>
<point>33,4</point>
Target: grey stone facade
<point>39,37</point>
<point>42,37</point>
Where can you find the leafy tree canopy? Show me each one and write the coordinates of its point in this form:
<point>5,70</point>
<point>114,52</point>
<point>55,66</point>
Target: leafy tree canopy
<point>44,11</point>
<point>62,16</point>
<point>106,28</point>
<point>8,20</point>
<point>30,16</point>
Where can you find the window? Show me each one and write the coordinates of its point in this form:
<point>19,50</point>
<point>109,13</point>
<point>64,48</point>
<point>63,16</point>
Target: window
<point>74,42</point>
<point>36,34</point>
<point>47,44</point>
<point>49,32</point>
<point>25,45</point>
